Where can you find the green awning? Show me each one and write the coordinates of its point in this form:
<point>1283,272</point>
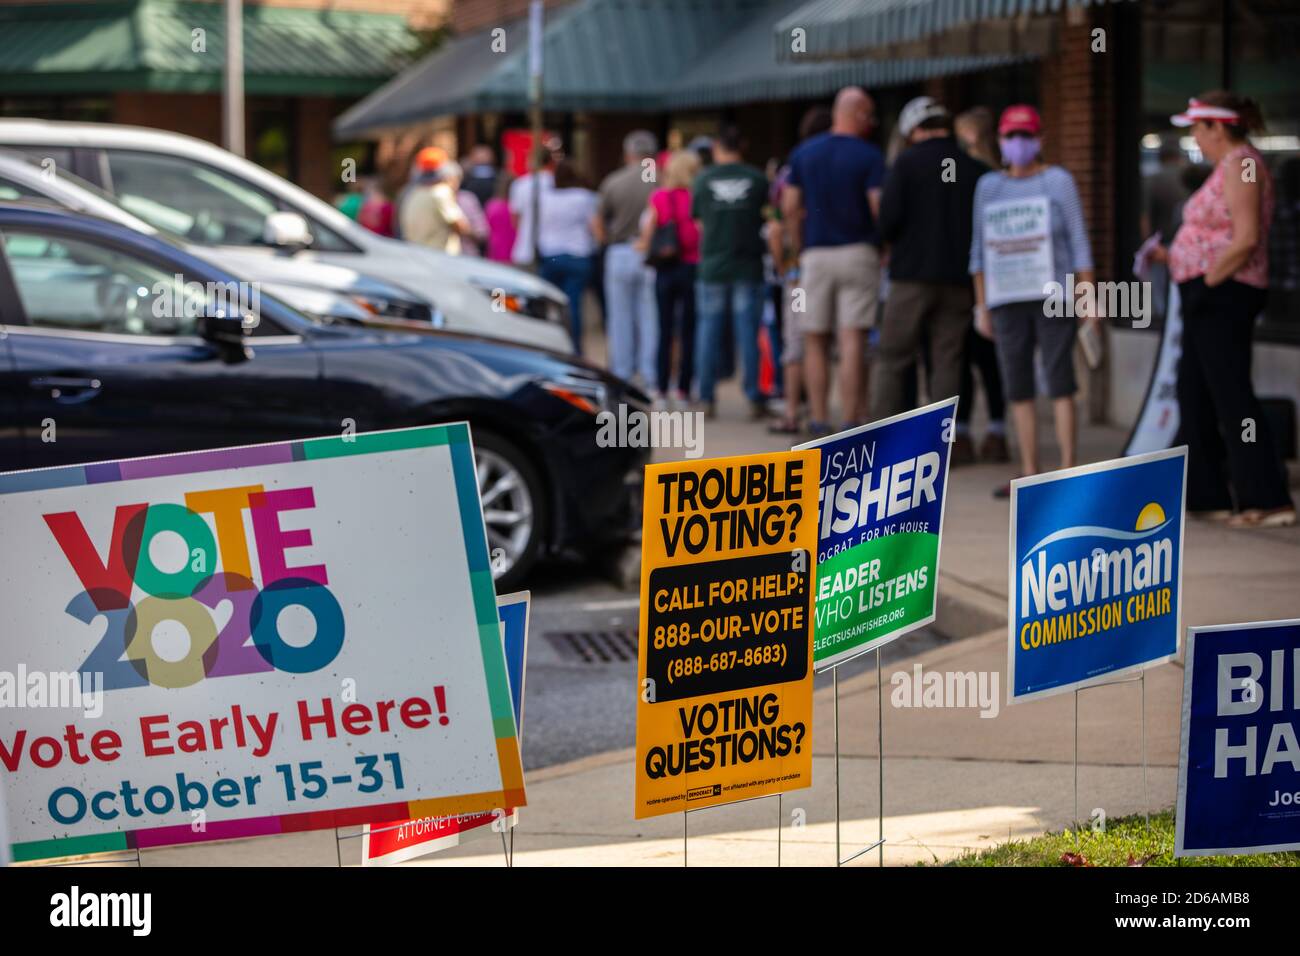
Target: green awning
<point>834,29</point>
<point>745,69</point>
<point>598,55</point>
<point>157,45</point>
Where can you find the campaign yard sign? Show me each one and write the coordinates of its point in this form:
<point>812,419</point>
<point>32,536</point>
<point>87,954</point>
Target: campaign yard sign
<point>250,641</point>
<point>882,493</point>
<point>401,840</point>
<point>724,665</point>
<point>1239,762</point>
<point>1095,568</point>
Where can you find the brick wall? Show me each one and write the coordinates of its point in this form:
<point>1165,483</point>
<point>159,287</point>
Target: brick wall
<point>420,14</point>
<point>1077,100</point>
<point>1079,121</point>
<point>467,16</point>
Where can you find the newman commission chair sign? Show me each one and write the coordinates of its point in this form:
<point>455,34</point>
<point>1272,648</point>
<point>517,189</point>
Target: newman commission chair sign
<point>274,638</point>
<point>1096,569</point>
<point>1239,768</point>
<point>883,488</point>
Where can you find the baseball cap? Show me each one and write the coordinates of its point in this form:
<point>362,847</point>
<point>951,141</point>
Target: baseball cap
<point>430,158</point>
<point>917,111</point>
<point>1196,110</point>
<point>1020,118</point>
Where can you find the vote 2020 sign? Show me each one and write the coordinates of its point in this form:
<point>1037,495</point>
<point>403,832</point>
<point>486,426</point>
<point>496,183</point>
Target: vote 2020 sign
<point>1095,571</point>
<point>724,664</point>
<point>883,488</point>
<point>1239,766</point>
<point>260,640</point>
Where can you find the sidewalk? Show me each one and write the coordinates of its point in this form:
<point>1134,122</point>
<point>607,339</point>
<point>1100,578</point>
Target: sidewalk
<point>954,781</point>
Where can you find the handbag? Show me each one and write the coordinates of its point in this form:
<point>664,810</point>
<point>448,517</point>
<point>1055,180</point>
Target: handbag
<point>665,245</point>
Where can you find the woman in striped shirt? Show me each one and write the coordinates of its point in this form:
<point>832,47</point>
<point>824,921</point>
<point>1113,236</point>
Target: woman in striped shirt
<point>1029,241</point>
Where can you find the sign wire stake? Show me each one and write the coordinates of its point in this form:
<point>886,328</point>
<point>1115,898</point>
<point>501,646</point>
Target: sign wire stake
<point>880,760</point>
<point>1146,800</point>
<point>780,815</point>
<point>1076,768</point>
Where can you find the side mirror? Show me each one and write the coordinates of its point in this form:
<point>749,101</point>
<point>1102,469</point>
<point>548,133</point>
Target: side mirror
<point>228,334</point>
<point>286,230</point>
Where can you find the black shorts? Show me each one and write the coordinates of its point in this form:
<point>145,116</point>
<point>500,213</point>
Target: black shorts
<point>1020,326</point>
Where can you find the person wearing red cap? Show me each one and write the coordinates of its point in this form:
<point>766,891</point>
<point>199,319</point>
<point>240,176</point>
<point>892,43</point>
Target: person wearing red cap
<point>1029,238</point>
<point>1219,258</point>
<point>429,212</point>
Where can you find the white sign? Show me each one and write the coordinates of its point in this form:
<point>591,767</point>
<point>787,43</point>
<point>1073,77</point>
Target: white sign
<point>282,637</point>
<point>1017,250</point>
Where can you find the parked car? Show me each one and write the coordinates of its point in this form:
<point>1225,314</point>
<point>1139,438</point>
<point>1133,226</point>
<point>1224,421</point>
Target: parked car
<point>213,198</point>
<point>118,342</point>
<point>313,287</point>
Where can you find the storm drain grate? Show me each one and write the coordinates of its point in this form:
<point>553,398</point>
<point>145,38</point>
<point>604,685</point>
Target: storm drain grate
<point>594,647</point>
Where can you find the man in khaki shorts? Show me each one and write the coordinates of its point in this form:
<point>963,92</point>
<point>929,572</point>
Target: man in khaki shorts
<point>835,183</point>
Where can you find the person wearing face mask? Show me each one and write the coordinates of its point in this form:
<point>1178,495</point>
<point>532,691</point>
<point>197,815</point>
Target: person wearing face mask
<point>1219,258</point>
<point>1028,233</point>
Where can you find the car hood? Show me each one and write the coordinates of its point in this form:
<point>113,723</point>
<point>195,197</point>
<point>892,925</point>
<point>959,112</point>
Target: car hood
<point>285,271</point>
<point>479,271</point>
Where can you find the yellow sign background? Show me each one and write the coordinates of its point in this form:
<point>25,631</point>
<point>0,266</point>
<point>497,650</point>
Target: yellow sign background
<point>760,718</point>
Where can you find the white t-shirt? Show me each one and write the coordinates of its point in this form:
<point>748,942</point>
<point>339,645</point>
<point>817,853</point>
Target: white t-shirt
<point>521,205</point>
<point>566,222</point>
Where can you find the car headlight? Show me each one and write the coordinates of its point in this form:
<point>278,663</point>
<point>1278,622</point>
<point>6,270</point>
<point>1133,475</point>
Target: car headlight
<point>390,308</point>
<point>533,306</point>
<point>584,394</point>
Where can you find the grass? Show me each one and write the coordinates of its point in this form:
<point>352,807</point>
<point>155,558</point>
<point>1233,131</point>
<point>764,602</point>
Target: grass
<point>1127,841</point>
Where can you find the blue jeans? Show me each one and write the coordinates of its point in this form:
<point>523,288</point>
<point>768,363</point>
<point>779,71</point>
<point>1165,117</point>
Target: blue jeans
<point>711,300</point>
<point>632,322</point>
<point>571,274</point>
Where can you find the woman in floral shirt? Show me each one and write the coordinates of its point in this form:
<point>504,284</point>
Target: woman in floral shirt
<point>1219,258</point>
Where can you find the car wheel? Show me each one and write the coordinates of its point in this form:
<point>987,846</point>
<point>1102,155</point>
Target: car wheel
<point>515,508</point>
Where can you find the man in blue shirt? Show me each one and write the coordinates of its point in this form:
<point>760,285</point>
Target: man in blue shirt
<point>834,187</point>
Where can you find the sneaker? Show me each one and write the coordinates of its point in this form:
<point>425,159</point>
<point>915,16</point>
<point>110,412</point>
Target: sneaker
<point>1002,491</point>
<point>962,453</point>
<point>1215,516</point>
<point>758,410</point>
<point>994,448</point>
<point>1283,517</point>
<point>710,410</point>
<point>679,399</point>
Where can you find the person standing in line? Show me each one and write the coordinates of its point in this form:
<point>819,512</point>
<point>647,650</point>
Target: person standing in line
<point>925,217</point>
<point>501,224</point>
<point>521,203</point>
<point>481,173</point>
<point>632,322</point>
<point>1219,258</point>
<point>565,242</point>
<point>1028,232</point>
<point>475,236</point>
<point>728,202</point>
<point>783,245</point>
<point>834,187</point>
<point>977,134</point>
<point>975,130</point>
<point>430,213</point>
<point>675,274</point>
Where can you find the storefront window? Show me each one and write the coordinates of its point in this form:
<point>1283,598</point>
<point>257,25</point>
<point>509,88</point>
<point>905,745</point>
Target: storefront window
<point>1249,47</point>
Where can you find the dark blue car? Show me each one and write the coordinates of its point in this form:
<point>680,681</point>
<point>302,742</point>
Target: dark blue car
<point>115,344</point>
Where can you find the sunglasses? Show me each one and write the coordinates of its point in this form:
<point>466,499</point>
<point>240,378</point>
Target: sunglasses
<point>1018,134</point>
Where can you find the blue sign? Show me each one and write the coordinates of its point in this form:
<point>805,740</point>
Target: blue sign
<point>513,611</point>
<point>1239,766</point>
<point>881,512</point>
<point>1095,568</point>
